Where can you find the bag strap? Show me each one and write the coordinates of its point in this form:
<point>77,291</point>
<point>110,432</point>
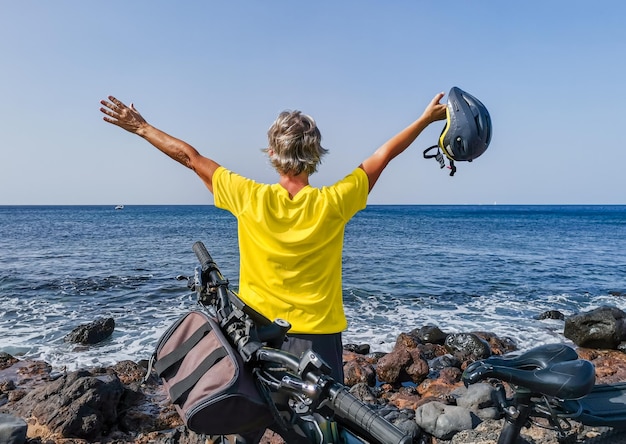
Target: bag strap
<point>183,386</point>
<point>163,364</point>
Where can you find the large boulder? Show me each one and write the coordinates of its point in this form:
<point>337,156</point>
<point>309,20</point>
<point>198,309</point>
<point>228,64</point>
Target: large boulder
<point>76,405</point>
<point>92,333</point>
<point>602,328</point>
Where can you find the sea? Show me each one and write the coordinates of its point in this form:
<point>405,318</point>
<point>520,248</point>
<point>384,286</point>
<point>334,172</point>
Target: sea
<point>465,268</point>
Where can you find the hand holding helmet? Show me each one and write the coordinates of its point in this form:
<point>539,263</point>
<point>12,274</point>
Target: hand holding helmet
<point>467,132</point>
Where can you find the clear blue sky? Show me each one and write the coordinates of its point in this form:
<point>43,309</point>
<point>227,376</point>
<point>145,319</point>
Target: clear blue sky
<point>216,74</point>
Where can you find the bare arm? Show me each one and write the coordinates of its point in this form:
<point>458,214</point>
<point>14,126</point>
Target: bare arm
<point>128,118</point>
<point>376,163</point>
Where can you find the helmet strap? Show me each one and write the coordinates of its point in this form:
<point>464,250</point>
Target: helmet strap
<point>452,167</point>
<point>438,156</point>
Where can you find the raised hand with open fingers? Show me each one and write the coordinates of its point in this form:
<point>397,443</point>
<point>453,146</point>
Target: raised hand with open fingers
<point>126,117</point>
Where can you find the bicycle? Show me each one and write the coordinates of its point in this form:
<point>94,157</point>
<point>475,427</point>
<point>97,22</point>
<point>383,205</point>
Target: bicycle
<point>309,406</point>
<point>551,387</point>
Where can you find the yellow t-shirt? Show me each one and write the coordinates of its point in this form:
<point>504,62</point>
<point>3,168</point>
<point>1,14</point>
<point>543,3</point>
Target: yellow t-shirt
<point>291,249</point>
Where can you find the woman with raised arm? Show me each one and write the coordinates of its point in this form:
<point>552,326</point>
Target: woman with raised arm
<point>290,234</point>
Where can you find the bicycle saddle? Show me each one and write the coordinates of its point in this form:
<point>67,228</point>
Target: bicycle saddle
<point>552,369</point>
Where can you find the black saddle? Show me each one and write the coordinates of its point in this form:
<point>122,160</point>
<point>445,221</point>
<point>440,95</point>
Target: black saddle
<point>552,369</point>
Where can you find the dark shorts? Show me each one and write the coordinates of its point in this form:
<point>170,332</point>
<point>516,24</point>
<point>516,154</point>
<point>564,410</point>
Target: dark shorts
<point>328,346</point>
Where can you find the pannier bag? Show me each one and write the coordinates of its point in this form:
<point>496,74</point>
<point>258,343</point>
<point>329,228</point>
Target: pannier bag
<point>206,380</point>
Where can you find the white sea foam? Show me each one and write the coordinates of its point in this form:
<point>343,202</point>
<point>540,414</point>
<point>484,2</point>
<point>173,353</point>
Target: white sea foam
<point>504,317</point>
<point>35,329</point>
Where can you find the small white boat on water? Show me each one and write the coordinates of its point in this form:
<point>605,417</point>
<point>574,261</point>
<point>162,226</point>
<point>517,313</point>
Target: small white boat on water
<point>119,207</point>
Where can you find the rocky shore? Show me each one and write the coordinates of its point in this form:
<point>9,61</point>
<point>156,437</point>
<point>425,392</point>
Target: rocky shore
<point>421,390</point>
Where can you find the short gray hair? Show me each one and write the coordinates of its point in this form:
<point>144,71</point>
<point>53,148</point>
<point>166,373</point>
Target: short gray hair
<point>295,143</point>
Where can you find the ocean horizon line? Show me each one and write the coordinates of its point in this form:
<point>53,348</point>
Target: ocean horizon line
<point>113,205</point>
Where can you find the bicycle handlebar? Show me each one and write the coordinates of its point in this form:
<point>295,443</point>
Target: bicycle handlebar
<point>346,406</point>
<point>351,409</point>
<point>205,259</point>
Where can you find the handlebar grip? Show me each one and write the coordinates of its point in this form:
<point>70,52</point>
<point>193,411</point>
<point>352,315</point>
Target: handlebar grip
<point>202,254</point>
<point>352,410</point>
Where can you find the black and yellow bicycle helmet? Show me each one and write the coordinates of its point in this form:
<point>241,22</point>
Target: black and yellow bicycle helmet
<point>467,132</point>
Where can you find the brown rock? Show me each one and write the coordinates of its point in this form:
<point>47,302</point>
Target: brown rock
<point>391,367</point>
<point>6,360</point>
<point>25,374</point>
<point>404,363</point>
<point>404,398</point>
<point>358,369</point>
<point>610,364</point>
<point>129,371</point>
<point>419,369</point>
<point>407,340</point>
<point>440,388</point>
